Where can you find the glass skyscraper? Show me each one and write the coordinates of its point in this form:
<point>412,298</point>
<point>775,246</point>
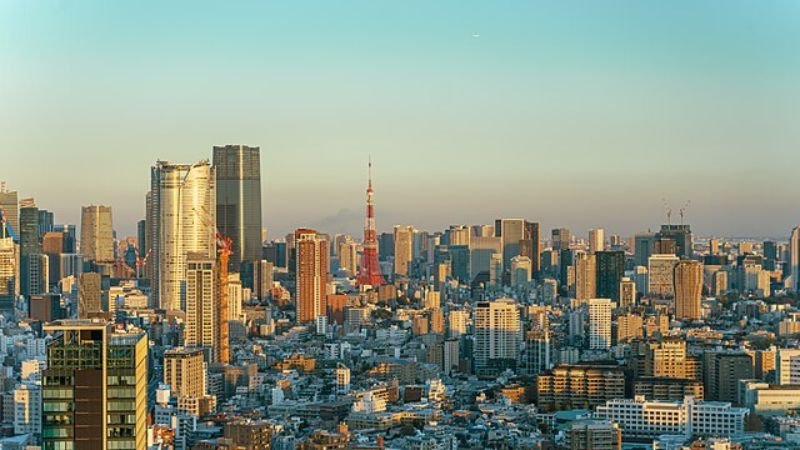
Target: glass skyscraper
<point>238,170</point>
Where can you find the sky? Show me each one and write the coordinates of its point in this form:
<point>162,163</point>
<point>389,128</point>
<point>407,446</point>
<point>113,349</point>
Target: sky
<point>572,113</point>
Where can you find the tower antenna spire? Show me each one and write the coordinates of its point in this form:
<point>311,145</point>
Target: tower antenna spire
<point>370,273</point>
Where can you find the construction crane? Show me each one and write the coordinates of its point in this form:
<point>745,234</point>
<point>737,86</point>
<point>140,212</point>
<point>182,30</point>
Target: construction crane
<point>668,211</point>
<point>683,210</point>
<point>224,246</point>
<point>141,262</point>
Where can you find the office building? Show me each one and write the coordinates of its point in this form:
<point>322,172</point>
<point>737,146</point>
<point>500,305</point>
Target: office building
<point>661,275</point>
<point>180,220</point>
<point>238,204</point>
<point>403,249</point>
<point>510,232</point>
<point>497,336</point>
<point>311,272</point>
<point>521,270</point>
<point>531,246</point>
<point>9,203</point>
<point>535,357</point>
<point>561,238</point>
<point>681,235</point>
<point>90,293</point>
<point>610,270</point>
<point>722,372</point>
<point>794,260</point>
<point>688,279</point>
<point>8,266</point>
<point>596,240</point>
<point>97,234</point>
<point>644,248</point>
<point>600,323</point>
<point>94,389</point>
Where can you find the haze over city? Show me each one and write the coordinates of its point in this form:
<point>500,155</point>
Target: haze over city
<point>399,224</point>
<point>579,115</point>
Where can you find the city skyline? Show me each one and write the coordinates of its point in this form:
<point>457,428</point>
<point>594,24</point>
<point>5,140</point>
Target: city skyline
<point>591,114</point>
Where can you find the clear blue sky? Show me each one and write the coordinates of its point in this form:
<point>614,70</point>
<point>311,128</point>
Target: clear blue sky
<point>579,114</point>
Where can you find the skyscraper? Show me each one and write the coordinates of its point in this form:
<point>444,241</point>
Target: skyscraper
<point>9,203</point>
<point>688,281</point>
<point>596,240</point>
<point>97,234</point>
<point>682,235</point>
<point>33,264</point>
<point>661,275</point>
<point>89,295</point>
<point>312,268</point>
<point>531,246</point>
<point>561,238</point>
<point>497,336</point>
<point>585,276</point>
<point>105,374</point>
<point>202,313</point>
<point>600,323</point>
<point>403,248</point>
<point>610,270</point>
<point>238,172</point>
<point>794,259</point>
<point>511,232</point>
<point>182,204</point>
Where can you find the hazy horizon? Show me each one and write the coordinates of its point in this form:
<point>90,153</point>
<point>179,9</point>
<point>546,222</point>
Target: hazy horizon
<point>572,115</point>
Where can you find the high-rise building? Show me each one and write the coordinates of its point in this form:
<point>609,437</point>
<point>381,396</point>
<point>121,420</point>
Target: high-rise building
<point>536,357</point>
<point>53,247</point>
<point>202,311</point>
<point>45,222</point>
<point>347,251</point>
<point>97,234</point>
<point>238,205</point>
<point>585,276</point>
<point>596,240</point>
<point>9,203</point>
<point>311,272</point>
<point>185,372</point>
<point>531,246</point>
<point>600,323</point>
<point>521,269</point>
<point>610,270</point>
<point>722,372</point>
<point>794,260</point>
<point>403,249</point>
<point>8,266</point>
<point>28,410</point>
<point>182,206</point>
<point>661,274</point>
<point>89,295</point>
<point>561,239</point>
<point>627,292</point>
<point>688,281</point>
<point>682,235</point>
<point>105,374</point>
<point>497,336</point>
<point>510,232</point>
<point>644,247</point>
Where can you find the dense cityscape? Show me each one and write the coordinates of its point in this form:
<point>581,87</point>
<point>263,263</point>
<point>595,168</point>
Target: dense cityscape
<point>202,331</point>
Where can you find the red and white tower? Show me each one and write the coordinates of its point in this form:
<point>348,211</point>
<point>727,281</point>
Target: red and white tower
<point>370,273</point>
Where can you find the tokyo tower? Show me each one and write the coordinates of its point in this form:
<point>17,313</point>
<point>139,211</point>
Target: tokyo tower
<point>370,273</point>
